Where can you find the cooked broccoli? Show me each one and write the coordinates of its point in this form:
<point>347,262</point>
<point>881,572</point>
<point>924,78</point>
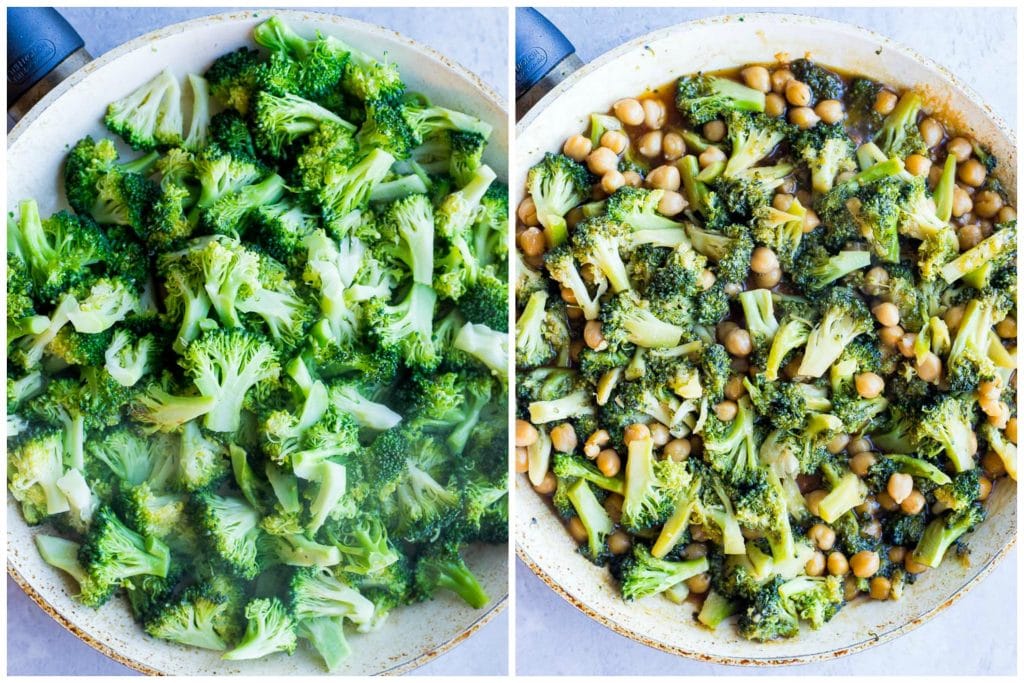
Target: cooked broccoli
<point>556,184</point>
<point>703,98</point>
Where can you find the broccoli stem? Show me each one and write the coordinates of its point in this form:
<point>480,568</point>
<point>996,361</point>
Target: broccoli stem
<point>593,516</point>
<point>715,610</point>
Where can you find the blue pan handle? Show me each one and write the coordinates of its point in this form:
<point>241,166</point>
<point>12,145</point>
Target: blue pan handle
<point>543,57</point>
<point>39,44</point>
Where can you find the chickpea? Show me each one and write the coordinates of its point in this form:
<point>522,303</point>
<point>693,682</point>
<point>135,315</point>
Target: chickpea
<point>594,443</point>
<point>756,77</point>
<point>767,280</point>
<point>869,384</point>
<point>962,202</point>
<point>629,111</point>
<point>861,462</point>
<point>615,140</point>
<point>837,564</point>
<point>707,279</point>
<point>577,147</point>
<point>650,144</point>
<point>971,173</point>
<point>633,179</point>
<point>987,203</point>
<point>822,535</point>
<point>532,242</point>
<point>774,105</point>
<point>960,148</point>
<point>714,131</point>
<point>804,197</point>
<point>851,588</point>
<point>602,160</point>
<point>803,117</point>
<point>918,165</point>
<point>899,486</point>
<point>664,177</point>
<point>792,368</point>
<point>864,564</point>
<point>563,438</point>
<point>811,220</point>
<point>613,506</point>
<point>989,389</point>
<point>875,280</point>
<point>1000,419</point>
<point>677,449</point>
<point>724,328</point>
<point>1011,430</point>
<point>734,388</point>
<point>816,565</point>
<point>526,434</point>
<point>993,465</point>
<point>890,336</point>
<point>701,583</point>
<point>906,345</point>
<point>697,533</point>
<point>857,446</point>
<point>989,404</point>
<point>636,431</point>
<point>1006,214</point>
<point>654,113</point>
<point>695,551</point>
<point>522,460</point>
<point>672,146</point>
<point>838,443</point>
<point>885,102</point>
<point>1007,328</point>
<point>726,410</point>
<point>577,530</point>
<point>813,499</point>
<point>929,367</point>
<point>659,434</point>
<point>798,93</point>
<point>780,77</point>
<point>880,588</point>
<point>953,316</point>
<point>609,462</point>
<point>547,485</point>
<point>885,501</point>
<point>611,181</point>
<point>969,236</point>
<point>830,111</point>
<point>886,314</point>
<point>913,503</point>
<point>931,131</point>
<point>911,564</point>
<point>619,542</point>
<point>738,343</point>
<point>763,260</point>
<point>575,348</point>
<point>527,212</point>
<point>592,335</point>
<point>710,156</point>
<point>984,487</point>
<point>671,203</point>
<point>568,296</point>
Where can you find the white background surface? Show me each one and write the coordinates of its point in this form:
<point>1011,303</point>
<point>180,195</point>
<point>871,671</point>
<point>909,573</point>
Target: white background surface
<point>38,645</point>
<point>978,45</point>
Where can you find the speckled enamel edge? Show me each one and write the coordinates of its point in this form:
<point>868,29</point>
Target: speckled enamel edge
<point>838,652</point>
<point>341,22</point>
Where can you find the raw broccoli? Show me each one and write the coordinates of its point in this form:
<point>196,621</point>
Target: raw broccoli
<point>150,116</point>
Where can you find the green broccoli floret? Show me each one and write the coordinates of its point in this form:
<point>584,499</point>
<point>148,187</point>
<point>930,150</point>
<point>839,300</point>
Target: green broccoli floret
<point>997,245</point>
<point>844,318</point>
<point>1003,447</point>
<point>860,104</point>
<point>652,487</point>
<point>637,209</point>
<point>781,231</point>
<point>943,531</point>
<point>846,491</point>
<point>34,466</point>
<point>643,575</point>
<point>562,267</point>
<point>730,448</point>
<point>899,135</point>
<point>741,194</point>
<point>628,319</point>
<point>533,347</point>
<point>752,137</point>
<point>270,628</point>
<point>112,553</point>
<point>961,492</point>
<point>572,467</point>
<point>233,78</point>
<point>815,599</point>
<point>828,151</point>
<point>705,202</point>
<point>791,335</point>
<point>557,184</point>
<point>442,567</point>
<point>597,242</point>
<point>767,617</point>
<point>729,249</point>
<point>150,116</point>
<point>593,517</point>
<point>703,98</point>
<point>824,84</point>
<point>947,426</point>
<point>200,617</point>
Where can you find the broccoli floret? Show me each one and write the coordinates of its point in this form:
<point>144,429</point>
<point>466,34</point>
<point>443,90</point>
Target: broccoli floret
<point>200,617</point>
<point>844,318</point>
<point>556,184</point>
<point>899,135</point>
<point>346,183</point>
<point>729,249</point>
<point>628,319</point>
<point>230,213</point>
<point>730,448</point>
<point>824,84</point>
<point>562,267</point>
<point>112,553</point>
<point>705,202</point>
<point>643,575</point>
<point>150,116</point>
<point>752,138</point>
<point>593,517</point>
<point>703,98</point>
<point>233,78</point>
<point>1003,447</point>
<point>767,617</point>
<point>994,247</point>
<point>442,567</point>
<point>572,467</point>
<point>759,315</point>
<point>791,335</point>
<point>270,628</point>
<point>947,426</point>
<point>846,491</point>
<point>961,492</point>
<point>815,599</point>
<point>828,151</point>
<point>652,487</point>
<point>230,528</point>
<point>943,531</point>
<point>780,230</point>
<point>743,193</point>
<point>860,103</point>
<point>533,348</point>
<point>637,209</point>
<point>34,466</point>
<point>597,243</point>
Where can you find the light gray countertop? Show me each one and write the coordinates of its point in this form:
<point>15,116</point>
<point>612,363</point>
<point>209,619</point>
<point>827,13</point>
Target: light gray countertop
<point>36,644</point>
<point>979,45</point>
